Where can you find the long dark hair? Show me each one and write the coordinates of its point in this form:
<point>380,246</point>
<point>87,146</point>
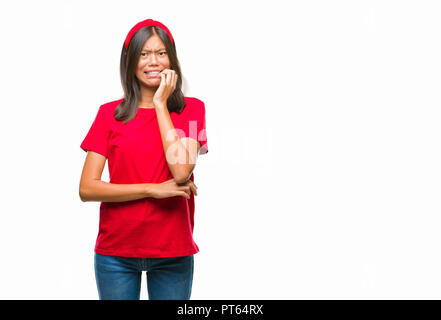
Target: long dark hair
<point>128,108</point>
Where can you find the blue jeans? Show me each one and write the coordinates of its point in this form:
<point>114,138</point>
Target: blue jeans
<point>119,278</point>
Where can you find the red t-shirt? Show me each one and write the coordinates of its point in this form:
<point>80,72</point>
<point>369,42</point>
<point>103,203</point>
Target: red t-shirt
<point>147,227</point>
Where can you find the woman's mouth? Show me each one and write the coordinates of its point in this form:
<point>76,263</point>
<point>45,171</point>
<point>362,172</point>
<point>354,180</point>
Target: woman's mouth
<point>155,74</point>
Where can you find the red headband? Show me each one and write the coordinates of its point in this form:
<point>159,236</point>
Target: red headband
<point>146,23</point>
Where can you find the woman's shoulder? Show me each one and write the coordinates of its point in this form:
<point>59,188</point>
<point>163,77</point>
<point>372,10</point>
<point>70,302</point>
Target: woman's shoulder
<point>111,106</point>
<point>189,101</point>
<point>192,104</point>
<point>192,100</point>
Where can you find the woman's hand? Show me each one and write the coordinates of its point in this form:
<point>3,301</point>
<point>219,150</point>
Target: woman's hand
<point>166,87</point>
<point>170,188</point>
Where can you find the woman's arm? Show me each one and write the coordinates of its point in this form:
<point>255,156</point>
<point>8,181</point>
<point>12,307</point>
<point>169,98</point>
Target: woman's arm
<point>98,190</point>
<point>181,154</point>
<point>93,189</point>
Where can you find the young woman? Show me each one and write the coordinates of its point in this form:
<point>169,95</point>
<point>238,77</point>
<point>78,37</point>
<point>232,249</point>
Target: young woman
<point>151,138</point>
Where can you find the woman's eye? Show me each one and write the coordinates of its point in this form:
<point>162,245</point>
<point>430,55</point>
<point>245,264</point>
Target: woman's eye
<point>161,53</point>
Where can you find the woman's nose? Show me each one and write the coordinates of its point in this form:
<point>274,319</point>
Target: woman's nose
<point>153,58</point>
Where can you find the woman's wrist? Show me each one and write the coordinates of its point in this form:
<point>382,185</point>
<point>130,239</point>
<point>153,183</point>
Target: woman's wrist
<point>148,190</point>
<point>160,105</point>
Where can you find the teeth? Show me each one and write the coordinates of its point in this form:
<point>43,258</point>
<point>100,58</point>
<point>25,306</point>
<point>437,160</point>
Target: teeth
<point>154,72</point>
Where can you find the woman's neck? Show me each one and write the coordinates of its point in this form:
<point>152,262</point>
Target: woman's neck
<point>147,95</point>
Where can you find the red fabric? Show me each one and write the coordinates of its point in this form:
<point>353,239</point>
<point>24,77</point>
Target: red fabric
<point>146,23</point>
<point>148,227</point>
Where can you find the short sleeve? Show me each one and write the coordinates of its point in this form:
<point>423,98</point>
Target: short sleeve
<point>195,126</point>
<point>97,138</point>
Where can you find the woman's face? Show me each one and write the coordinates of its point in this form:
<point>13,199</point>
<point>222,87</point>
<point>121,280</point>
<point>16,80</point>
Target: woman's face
<point>153,57</point>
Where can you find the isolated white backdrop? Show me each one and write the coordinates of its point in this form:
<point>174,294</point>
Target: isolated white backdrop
<point>323,175</point>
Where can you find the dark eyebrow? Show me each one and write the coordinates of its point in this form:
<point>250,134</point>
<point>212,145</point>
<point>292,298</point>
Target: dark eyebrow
<point>151,50</point>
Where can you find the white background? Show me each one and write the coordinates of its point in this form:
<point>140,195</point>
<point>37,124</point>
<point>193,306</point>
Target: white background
<point>322,179</point>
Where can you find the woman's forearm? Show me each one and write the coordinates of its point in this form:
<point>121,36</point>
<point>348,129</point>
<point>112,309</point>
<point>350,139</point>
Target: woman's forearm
<point>176,153</point>
<point>102,191</point>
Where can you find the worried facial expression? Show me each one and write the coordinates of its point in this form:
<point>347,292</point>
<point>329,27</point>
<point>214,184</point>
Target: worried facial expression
<point>152,61</point>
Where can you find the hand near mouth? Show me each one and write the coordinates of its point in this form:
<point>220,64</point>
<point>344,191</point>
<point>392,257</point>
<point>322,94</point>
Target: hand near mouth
<point>166,87</point>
